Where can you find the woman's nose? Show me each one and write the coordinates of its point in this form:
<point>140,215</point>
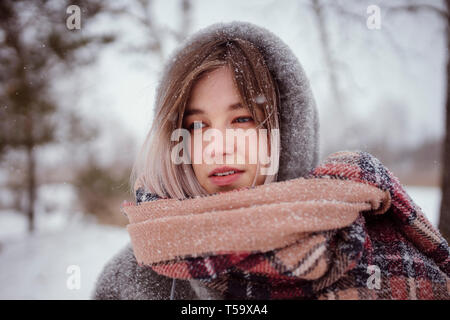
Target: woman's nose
<point>222,145</point>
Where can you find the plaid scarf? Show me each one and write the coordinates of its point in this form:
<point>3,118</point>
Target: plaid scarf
<point>347,230</point>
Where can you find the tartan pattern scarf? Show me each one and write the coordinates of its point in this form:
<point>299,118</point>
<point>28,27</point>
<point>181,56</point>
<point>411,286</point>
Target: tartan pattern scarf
<point>348,230</point>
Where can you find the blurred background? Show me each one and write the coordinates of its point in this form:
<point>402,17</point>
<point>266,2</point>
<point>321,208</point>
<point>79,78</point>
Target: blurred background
<point>77,87</point>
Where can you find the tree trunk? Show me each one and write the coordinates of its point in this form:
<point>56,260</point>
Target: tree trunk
<point>330,63</point>
<point>31,187</point>
<point>186,19</point>
<point>31,171</point>
<point>444,220</point>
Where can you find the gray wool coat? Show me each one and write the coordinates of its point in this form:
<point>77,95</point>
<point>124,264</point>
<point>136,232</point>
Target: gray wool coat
<point>121,277</point>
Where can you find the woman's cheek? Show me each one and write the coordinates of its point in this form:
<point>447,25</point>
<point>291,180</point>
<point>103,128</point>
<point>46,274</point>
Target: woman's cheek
<point>247,147</point>
<point>196,151</point>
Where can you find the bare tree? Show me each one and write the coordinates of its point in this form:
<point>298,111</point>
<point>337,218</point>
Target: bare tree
<point>141,12</point>
<point>444,15</point>
<point>319,10</point>
<point>34,44</point>
<point>320,14</point>
<point>444,219</point>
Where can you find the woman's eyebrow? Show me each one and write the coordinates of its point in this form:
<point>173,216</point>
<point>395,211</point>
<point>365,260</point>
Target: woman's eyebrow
<point>191,111</point>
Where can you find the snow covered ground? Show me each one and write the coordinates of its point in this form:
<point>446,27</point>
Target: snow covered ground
<point>36,266</point>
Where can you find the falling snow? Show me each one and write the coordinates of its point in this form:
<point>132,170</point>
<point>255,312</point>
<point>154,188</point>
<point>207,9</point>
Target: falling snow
<point>299,143</point>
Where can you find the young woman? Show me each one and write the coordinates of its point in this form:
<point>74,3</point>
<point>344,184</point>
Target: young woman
<point>234,76</point>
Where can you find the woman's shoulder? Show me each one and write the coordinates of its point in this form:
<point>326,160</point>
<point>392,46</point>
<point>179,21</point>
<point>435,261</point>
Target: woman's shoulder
<point>123,279</point>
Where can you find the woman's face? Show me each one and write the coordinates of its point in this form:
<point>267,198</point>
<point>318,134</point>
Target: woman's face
<point>215,104</point>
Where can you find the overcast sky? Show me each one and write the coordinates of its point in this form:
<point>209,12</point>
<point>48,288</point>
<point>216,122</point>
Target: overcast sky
<point>402,63</point>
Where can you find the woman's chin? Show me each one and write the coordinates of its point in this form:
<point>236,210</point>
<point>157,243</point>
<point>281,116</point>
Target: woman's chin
<point>225,188</point>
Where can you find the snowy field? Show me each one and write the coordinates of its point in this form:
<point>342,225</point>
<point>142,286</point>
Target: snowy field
<point>36,266</point>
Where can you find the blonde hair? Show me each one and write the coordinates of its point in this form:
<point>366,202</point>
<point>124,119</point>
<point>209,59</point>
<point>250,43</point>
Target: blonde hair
<point>153,168</point>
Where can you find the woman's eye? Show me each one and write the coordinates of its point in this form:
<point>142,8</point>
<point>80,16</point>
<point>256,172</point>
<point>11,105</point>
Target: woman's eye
<point>198,124</point>
<point>195,125</point>
<point>245,118</point>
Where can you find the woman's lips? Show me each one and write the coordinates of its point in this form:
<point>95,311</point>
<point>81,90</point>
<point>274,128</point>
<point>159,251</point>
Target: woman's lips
<point>225,180</point>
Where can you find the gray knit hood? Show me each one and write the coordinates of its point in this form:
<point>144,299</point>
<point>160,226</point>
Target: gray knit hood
<point>299,125</point>
<point>122,278</point>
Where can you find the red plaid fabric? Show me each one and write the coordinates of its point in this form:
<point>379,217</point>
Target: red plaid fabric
<point>395,255</point>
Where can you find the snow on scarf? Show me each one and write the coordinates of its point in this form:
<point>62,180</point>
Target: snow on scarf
<point>347,230</point>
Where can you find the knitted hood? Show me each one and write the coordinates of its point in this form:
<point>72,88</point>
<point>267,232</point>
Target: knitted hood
<point>299,126</point>
<point>299,153</point>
